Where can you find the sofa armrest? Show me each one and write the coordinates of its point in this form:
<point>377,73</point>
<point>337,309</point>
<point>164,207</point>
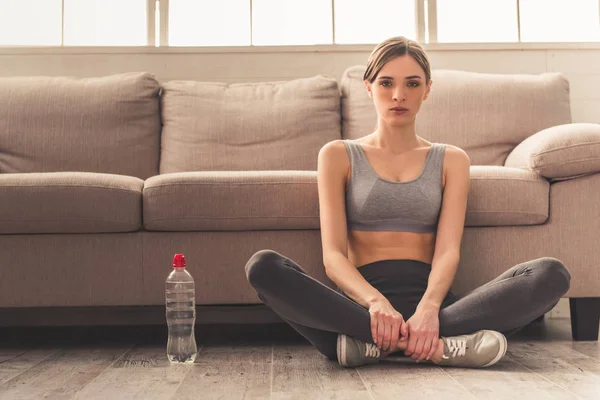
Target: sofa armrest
<point>560,152</point>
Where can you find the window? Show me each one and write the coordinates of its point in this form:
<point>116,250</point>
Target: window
<point>372,21</point>
<point>209,23</point>
<point>291,22</point>
<point>105,23</point>
<point>561,21</point>
<point>485,21</point>
<point>30,22</point>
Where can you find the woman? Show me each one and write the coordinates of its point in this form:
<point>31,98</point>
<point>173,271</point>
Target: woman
<point>392,212</point>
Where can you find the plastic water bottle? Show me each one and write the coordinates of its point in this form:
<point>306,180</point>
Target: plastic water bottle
<point>181,313</point>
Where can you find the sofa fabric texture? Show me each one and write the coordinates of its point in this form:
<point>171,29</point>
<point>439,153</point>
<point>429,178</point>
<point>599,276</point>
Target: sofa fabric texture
<point>500,196</point>
<point>569,234</point>
<point>262,200</point>
<point>61,270</point>
<point>70,202</point>
<point>91,216</point>
<point>109,124</point>
<point>563,151</point>
<point>247,126</point>
<point>486,115</point>
<point>231,200</point>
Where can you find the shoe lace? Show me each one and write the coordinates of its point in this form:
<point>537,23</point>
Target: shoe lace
<point>371,350</point>
<point>456,348</point>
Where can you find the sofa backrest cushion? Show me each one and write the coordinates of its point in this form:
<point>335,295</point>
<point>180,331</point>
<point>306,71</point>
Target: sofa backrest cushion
<point>52,124</point>
<point>248,126</point>
<point>486,115</point>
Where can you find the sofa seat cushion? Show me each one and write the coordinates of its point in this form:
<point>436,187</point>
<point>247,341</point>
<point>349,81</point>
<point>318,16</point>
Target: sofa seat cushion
<point>231,200</point>
<point>69,202</point>
<point>281,200</point>
<point>507,196</point>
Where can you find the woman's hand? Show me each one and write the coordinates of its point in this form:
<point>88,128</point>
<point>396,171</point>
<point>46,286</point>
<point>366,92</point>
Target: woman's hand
<point>387,325</point>
<point>424,329</point>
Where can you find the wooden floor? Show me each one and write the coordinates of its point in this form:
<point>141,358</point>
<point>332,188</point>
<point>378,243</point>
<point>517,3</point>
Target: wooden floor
<point>542,363</point>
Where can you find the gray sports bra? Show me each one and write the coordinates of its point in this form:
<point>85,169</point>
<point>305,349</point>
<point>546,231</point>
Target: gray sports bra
<point>376,204</point>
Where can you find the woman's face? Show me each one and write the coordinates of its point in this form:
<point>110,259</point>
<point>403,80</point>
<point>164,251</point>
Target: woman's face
<point>399,90</point>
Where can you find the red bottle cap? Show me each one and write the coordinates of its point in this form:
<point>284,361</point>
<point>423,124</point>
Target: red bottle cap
<point>179,261</point>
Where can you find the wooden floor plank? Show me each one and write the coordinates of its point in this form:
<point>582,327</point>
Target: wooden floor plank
<point>590,349</point>
<point>553,330</point>
<point>507,380</point>
<point>15,361</point>
<point>62,374</point>
<point>229,372</point>
<point>542,363</point>
<point>572,370</point>
<point>300,372</point>
<point>585,355</point>
<point>144,372</point>
<point>395,379</point>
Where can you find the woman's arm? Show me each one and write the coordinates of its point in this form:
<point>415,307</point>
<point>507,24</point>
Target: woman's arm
<point>450,228</point>
<point>387,324</point>
<point>424,324</point>
<point>333,167</point>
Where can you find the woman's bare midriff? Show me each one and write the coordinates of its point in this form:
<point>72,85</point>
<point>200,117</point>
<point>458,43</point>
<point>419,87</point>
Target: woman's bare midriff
<point>365,247</point>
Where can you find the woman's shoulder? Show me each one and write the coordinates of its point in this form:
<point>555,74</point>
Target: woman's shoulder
<point>335,148</point>
<point>454,153</point>
<point>456,162</point>
<point>334,153</point>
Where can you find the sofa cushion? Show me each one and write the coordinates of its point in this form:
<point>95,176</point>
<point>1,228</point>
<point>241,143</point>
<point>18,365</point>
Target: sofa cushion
<point>231,200</point>
<point>247,126</point>
<point>487,115</point>
<point>109,124</point>
<point>506,196</point>
<point>69,202</point>
<point>280,200</point>
<point>560,152</point>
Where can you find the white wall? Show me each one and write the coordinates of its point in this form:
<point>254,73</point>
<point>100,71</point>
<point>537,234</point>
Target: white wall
<point>580,65</point>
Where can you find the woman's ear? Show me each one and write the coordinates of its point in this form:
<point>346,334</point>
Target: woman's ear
<point>427,90</point>
<point>368,86</point>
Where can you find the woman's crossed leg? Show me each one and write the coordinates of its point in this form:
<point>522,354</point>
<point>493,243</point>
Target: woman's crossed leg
<point>321,314</point>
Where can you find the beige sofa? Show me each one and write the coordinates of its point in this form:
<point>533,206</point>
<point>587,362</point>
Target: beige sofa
<point>102,180</point>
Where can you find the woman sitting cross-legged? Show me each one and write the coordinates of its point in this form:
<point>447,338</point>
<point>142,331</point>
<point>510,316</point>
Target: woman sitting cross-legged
<point>392,212</point>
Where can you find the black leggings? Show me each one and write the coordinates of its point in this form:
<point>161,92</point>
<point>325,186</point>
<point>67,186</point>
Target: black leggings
<point>319,313</point>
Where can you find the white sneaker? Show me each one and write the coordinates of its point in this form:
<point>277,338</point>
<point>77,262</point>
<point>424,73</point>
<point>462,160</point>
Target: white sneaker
<point>477,350</point>
<point>353,352</point>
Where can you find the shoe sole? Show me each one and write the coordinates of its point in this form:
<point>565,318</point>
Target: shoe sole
<point>503,346</point>
<point>341,349</point>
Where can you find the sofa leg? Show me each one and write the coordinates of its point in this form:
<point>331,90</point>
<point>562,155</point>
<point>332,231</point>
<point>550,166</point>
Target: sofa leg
<point>585,317</point>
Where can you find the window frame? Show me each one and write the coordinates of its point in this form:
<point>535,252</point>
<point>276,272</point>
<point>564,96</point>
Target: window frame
<point>425,23</point>
<point>425,26</point>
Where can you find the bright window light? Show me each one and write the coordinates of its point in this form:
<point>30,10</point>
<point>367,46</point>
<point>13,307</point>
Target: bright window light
<point>561,21</point>
<point>483,21</point>
<point>386,18</point>
<point>291,22</point>
<point>209,23</point>
<point>105,23</point>
<point>30,22</point>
